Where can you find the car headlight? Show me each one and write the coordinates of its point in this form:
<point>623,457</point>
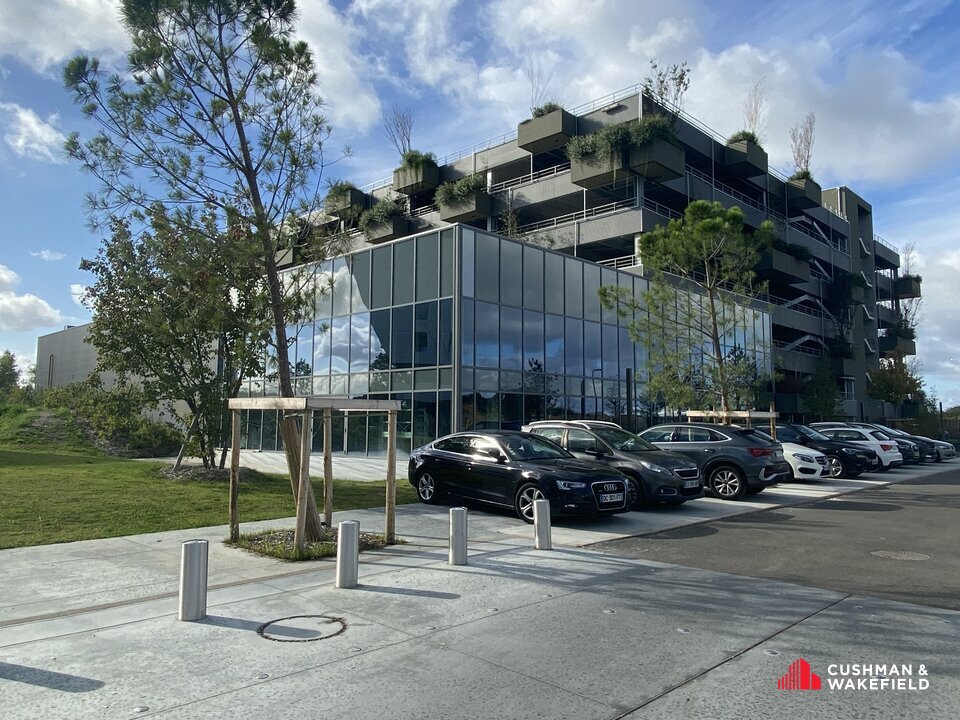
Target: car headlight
<point>653,467</point>
<point>570,485</point>
<point>803,458</point>
<point>849,451</point>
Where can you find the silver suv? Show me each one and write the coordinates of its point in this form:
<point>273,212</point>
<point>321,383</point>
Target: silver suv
<point>655,476</point>
<point>734,461</point>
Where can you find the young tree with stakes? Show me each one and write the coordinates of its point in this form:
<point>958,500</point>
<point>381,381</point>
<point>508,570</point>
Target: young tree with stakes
<point>217,111</point>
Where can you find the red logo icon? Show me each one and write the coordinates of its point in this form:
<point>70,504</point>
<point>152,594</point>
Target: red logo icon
<point>799,677</point>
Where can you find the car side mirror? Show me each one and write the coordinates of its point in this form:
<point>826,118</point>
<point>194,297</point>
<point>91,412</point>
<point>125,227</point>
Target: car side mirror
<point>496,455</point>
<point>596,452</point>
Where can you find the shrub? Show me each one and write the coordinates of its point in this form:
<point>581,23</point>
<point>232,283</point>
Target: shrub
<point>802,175</point>
<point>454,193</point>
<point>800,252</point>
<point>743,135</point>
<point>338,190</point>
<point>546,109</point>
<point>612,140</point>
<point>381,212</point>
<point>414,160</point>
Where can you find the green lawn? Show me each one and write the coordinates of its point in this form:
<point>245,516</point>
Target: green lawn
<point>51,495</point>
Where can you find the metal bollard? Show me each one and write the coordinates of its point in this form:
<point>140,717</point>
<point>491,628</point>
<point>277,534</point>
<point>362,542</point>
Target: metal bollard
<point>458,536</point>
<point>541,522</point>
<point>193,580</point>
<point>348,553</point>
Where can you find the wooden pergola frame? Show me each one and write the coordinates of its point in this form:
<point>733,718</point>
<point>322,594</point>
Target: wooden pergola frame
<point>305,406</point>
<point>734,415</point>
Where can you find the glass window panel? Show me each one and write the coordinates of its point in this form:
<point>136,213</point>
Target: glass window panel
<point>321,384</point>
<point>466,332</point>
<point>446,377</point>
<point>323,303</point>
<point>611,363</point>
<point>487,380</point>
<point>466,378</point>
<point>467,255</point>
<point>321,348</point>
<point>488,268</point>
<point>468,410</point>
<point>573,346</point>
<point>608,278</point>
<point>593,361</point>
<point>444,415</point>
<point>342,286</point>
<point>446,263</point>
<point>401,380</point>
<point>573,287</point>
<point>360,342</point>
<point>511,411</point>
<point>428,266</point>
<point>511,338</point>
<point>553,344</point>
<point>425,334</point>
<point>445,335</point>
<point>553,283</point>
<point>511,381</point>
<point>532,341</point>
<point>533,408</point>
<point>380,340</point>
<point>404,424</point>
<point>381,274</point>
<point>303,362</point>
<point>591,290</point>
<point>487,410</point>
<point>626,351</point>
<point>511,273</point>
<point>269,442</point>
<point>303,386</point>
<point>401,342</point>
<point>360,264</point>
<point>487,329</point>
<point>403,270</point>
<point>424,418</point>
<point>379,381</point>
<point>359,384</point>
<point>338,384</point>
<point>340,345</point>
<point>425,379</point>
<point>532,278</point>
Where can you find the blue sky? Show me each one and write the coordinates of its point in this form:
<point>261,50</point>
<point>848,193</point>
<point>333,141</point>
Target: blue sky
<point>882,77</point>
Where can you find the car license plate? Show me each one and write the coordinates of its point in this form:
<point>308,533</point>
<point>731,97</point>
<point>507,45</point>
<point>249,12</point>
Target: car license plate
<point>611,497</point>
<point>691,483</point>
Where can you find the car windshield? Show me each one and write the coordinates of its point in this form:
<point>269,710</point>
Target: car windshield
<point>622,440</point>
<point>755,434</point>
<point>533,447</point>
<point>810,432</point>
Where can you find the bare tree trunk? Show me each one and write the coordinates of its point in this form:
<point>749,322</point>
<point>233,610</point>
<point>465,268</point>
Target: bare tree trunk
<point>290,433</point>
<point>186,441</point>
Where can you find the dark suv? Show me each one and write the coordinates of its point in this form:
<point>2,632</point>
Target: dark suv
<point>656,475</point>
<point>845,459</point>
<point>734,461</point>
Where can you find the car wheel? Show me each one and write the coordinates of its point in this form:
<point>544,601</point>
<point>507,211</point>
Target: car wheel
<point>727,482</point>
<point>523,503</point>
<point>635,499</point>
<point>835,465</point>
<point>427,488</point>
<point>938,457</point>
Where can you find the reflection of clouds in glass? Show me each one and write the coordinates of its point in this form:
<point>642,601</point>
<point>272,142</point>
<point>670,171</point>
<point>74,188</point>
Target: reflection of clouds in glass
<point>321,349</point>
<point>340,344</point>
<point>360,343</point>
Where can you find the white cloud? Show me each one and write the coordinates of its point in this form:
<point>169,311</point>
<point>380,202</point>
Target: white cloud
<point>23,312</point>
<point>48,255</point>
<point>8,279</point>
<point>76,292</point>
<point>45,34</point>
<point>31,137</point>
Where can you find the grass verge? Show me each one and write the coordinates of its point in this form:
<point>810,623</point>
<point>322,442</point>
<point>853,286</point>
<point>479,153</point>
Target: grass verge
<point>60,495</point>
<point>279,544</point>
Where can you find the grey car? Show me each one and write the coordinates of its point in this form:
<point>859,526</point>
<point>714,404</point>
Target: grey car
<point>734,461</point>
<point>656,476</point>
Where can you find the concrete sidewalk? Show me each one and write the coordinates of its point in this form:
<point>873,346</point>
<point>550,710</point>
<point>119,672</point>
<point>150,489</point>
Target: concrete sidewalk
<point>89,630</point>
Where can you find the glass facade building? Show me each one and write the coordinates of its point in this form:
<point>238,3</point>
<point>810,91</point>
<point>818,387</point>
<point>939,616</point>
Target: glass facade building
<point>467,329</point>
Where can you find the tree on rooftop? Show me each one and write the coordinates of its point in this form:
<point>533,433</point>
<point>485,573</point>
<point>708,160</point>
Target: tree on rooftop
<point>216,116</point>
<point>702,283</point>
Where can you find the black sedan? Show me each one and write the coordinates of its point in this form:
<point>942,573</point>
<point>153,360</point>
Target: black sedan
<point>512,469</point>
<point>845,459</point>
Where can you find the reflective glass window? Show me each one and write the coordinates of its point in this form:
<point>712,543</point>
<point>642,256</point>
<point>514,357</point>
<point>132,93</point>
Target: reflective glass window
<point>511,411</point>
<point>608,278</point>
<point>592,360</point>
<point>467,263</point>
<point>511,273</point>
<point>532,340</point>
<point>403,271</point>
<point>380,340</point>
<point>323,304</point>
<point>401,337</point>
<point>360,342</point>
<point>444,414</point>
<point>445,334</point>
<point>511,338</point>
<point>360,267</point>
<point>303,361</point>
<point>553,343</point>
<point>591,291</point>
<point>342,286</point>
<point>532,278</point>
<point>425,334</point>
<point>488,268</point>
<point>446,263</point>
<point>381,275</point>
<point>573,287</point>
<point>466,332</point>
<point>573,346</point>
<point>424,417</point>
<point>553,281</point>
<point>428,267</point>
<point>611,363</point>
<point>487,331</point>
<point>340,345</point>
<point>321,348</point>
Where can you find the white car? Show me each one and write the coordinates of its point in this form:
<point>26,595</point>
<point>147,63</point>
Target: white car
<point>806,463</point>
<point>881,443</point>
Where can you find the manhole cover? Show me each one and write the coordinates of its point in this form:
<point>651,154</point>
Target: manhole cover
<point>303,628</point>
<point>900,555</point>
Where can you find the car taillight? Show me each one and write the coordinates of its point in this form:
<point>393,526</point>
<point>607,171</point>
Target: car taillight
<point>886,448</point>
<point>760,452</point>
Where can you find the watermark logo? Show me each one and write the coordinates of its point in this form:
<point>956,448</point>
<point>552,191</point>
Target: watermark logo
<point>799,676</point>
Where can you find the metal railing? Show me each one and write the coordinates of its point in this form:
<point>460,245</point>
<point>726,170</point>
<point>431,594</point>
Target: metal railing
<point>574,217</point>
<point>532,177</point>
<point>889,246</point>
<point>727,190</point>
<point>426,210</point>
<point>781,345</point>
<point>619,263</point>
<point>661,209</point>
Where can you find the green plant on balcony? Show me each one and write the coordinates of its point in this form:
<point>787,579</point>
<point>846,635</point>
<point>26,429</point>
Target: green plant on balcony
<point>339,191</point>
<point>416,160</point>
<point>795,250</point>
<point>911,276</point>
<point>459,191</point>
<point>902,330</point>
<point>742,135</point>
<point>802,175</point>
<point>613,140</point>
<point>545,109</point>
<point>382,211</point>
